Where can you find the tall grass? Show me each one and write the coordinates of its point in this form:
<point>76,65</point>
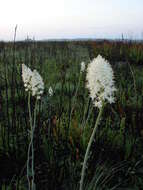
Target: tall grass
<point>58,157</point>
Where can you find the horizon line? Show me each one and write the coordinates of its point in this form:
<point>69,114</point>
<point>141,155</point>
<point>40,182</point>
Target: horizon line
<point>74,39</point>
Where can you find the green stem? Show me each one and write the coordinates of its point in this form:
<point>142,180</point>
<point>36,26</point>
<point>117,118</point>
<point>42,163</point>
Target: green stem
<point>85,122</point>
<point>29,109</point>
<point>28,154</point>
<point>32,137</point>
<point>31,145</point>
<point>88,148</point>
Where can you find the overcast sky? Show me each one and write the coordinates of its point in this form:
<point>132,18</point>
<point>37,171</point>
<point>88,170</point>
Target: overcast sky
<point>46,19</point>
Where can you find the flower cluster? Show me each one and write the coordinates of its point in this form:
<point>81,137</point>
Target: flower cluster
<point>100,81</point>
<point>33,82</point>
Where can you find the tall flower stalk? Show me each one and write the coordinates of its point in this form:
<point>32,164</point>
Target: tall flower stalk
<point>33,83</point>
<point>100,83</point>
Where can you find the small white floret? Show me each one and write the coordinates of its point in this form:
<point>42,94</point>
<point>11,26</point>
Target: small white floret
<point>50,91</point>
<point>82,68</point>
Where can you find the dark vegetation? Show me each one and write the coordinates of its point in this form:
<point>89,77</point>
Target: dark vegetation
<point>116,160</point>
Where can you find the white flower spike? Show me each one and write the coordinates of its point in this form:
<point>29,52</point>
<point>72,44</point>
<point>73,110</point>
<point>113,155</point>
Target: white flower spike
<point>100,81</point>
<point>33,82</point>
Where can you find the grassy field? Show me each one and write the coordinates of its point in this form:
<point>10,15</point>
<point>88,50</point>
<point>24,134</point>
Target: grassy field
<point>65,120</point>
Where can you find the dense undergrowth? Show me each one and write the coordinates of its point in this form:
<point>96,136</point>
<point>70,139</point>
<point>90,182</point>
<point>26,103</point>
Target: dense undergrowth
<point>116,159</point>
